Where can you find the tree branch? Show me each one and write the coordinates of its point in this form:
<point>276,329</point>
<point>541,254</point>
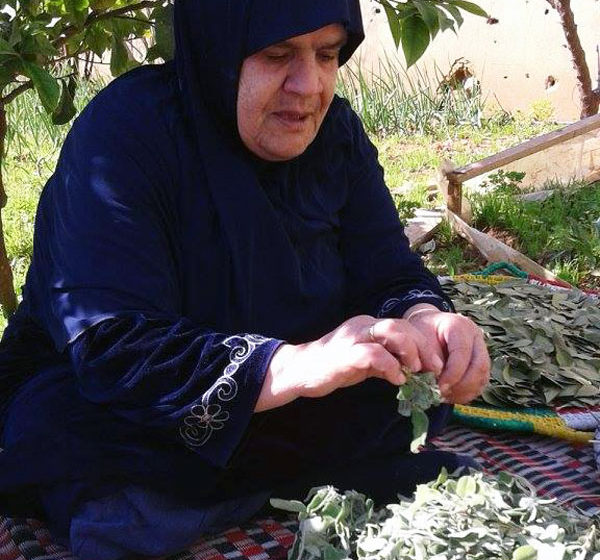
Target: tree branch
<point>590,99</point>
<point>71,30</point>
<point>16,92</point>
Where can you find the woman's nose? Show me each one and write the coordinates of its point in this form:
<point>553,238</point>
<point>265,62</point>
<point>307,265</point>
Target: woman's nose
<point>304,78</point>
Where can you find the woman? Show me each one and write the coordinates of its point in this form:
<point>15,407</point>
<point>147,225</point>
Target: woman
<point>221,300</point>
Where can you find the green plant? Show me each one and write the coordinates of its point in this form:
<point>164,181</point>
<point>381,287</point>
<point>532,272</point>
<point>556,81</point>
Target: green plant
<point>542,110</point>
<point>505,182</point>
<point>33,144</point>
<point>494,205</point>
<point>415,23</point>
<point>41,44</point>
<point>390,100</point>
<point>458,516</point>
<point>406,208</point>
<point>559,232</point>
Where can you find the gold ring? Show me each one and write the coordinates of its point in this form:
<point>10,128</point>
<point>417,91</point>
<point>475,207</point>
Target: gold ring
<point>372,332</point>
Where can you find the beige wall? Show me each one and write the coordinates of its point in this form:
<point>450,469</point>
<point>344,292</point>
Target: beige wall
<point>513,58</point>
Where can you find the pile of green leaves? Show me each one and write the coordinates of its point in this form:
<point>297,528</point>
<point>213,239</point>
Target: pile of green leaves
<point>474,517</point>
<point>544,344</point>
<point>420,392</point>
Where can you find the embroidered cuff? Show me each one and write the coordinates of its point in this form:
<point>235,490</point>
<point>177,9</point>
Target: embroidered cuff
<point>396,307</point>
<point>216,424</point>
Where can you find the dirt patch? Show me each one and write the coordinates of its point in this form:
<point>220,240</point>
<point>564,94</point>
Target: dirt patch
<point>506,237</point>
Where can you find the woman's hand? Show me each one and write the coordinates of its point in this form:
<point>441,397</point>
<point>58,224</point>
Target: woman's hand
<point>457,341</point>
<point>360,348</point>
<point>428,339</point>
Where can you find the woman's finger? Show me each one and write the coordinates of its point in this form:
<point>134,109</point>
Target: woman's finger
<point>460,350</point>
<point>400,339</point>
<point>476,376</point>
<point>371,360</point>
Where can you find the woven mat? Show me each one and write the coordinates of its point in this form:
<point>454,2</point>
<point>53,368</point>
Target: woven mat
<point>265,539</point>
<point>556,468</point>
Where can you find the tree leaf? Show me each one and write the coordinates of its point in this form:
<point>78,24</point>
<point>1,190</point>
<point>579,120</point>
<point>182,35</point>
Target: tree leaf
<point>46,85</point>
<point>393,21</point>
<point>466,486</point>
<point>5,48</point>
<point>102,5</point>
<point>526,552</point>
<point>98,39</point>
<point>119,58</point>
<point>65,110</point>
<point>470,7</point>
<point>163,32</point>
<point>563,356</point>
<point>415,38</point>
<point>73,6</point>
<point>430,16</point>
<point>455,12</point>
<point>293,506</point>
<point>78,10</point>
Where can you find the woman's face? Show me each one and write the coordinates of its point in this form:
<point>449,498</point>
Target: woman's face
<point>285,91</point>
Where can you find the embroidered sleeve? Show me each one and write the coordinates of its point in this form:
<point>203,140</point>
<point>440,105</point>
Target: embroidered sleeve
<point>213,413</point>
<point>397,306</point>
<point>195,386</point>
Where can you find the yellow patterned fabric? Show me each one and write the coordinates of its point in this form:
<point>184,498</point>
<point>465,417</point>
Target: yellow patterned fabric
<point>542,421</point>
<point>492,280</point>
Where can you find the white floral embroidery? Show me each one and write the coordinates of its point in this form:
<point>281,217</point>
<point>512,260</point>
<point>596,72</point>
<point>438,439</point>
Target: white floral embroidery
<point>413,294</point>
<point>206,418</point>
<point>417,294</point>
<point>388,306</point>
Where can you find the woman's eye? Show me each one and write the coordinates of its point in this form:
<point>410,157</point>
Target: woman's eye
<point>328,57</point>
<point>276,56</point>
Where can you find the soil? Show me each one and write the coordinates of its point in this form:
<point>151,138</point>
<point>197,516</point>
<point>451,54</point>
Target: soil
<point>505,236</point>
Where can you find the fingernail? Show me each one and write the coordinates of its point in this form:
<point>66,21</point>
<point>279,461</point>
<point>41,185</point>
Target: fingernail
<point>437,364</point>
<point>445,388</point>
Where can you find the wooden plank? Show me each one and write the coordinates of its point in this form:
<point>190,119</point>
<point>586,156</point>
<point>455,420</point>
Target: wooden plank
<point>525,149</point>
<point>454,199</point>
<point>494,250</point>
<point>423,226</point>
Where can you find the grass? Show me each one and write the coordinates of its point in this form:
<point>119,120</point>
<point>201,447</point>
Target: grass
<point>412,162</point>
<point>32,147</point>
<point>560,233</point>
<point>389,100</point>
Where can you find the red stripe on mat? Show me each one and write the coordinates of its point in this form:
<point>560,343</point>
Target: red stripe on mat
<point>575,488</point>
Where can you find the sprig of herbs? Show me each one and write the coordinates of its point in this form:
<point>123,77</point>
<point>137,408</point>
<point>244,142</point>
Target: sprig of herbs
<point>473,517</point>
<point>419,393</point>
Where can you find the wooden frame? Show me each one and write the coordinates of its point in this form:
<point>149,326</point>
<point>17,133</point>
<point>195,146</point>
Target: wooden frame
<point>456,177</point>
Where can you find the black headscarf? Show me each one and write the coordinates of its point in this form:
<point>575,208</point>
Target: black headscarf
<point>214,37</point>
<point>212,40</point>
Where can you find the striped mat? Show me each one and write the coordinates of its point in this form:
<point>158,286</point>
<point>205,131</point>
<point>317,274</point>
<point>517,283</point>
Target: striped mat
<point>556,468</point>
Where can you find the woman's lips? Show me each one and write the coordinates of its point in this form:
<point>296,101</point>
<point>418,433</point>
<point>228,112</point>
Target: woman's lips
<point>292,119</point>
<point>292,115</point>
